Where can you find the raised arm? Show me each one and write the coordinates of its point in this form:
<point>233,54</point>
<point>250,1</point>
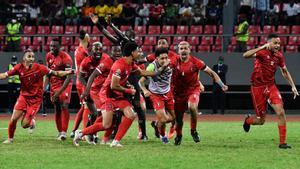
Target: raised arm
<point>3,76</point>
<point>251,53</point>
<point>216,78</point>
<point>286,74</point>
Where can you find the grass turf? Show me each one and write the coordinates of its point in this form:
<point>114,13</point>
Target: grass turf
<point>223,145</point>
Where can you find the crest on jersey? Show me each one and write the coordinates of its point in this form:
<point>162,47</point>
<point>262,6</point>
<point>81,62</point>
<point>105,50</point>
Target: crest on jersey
<point>268,57</point>
<point>118,73</point>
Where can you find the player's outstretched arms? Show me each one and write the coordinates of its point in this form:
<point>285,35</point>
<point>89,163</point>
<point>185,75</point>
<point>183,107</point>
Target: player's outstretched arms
<point>251,53</point>
<point>286,74</point>
<point>216,78</point>
<point>3,76</point>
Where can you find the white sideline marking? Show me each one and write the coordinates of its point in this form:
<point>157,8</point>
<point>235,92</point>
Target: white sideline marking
<point>3,128</point>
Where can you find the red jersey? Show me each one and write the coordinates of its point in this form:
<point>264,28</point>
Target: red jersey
<point>187,74</point>
<point>122,70</point>
<point>172,56</point>
<point>80,54</point>
<point>265,65</point>
<point>103,68</point>
<point>31,79</point>
<point>61,62</point>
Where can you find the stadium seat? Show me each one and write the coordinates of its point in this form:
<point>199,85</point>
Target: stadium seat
<point>140,29</point>
<point>139,40</point>
<point>2,29</point>
<point>150,40</point>
<point>57,29</point>
<point>72,48</point>
<point>203,48</point>
<point>193,48</point>
<point>25,40</point>
<point>38,41</point>
<point>263,40</point>
<point>64,48</point>
<point>49,39</point>
<point>168,29</point>
<point>218,40</point>
<point>106,42</point>
<point>153,29</point>
<point>193,40</point>
<point>43,30</point>
<point>210,29</point>
<point>291,49</point>
<point>233,40</point>
<point>147,48</point>
<point>206,40</point>
<point>29,30</point>
<point>220,30</point>
<point>125,27</point>
<point>173,47</point>
<point>96,31</point>
<point>283,40</point>
<point>254,29</point>
<point>196,29</point>
<point>216,48</point>
<point>76,41</point>
<point>182,30</point>
<point>178,39</point>
<point>35,48</point>
<point>88,29</point>
<point>252,41</point>
<point>283,29</point>
<point>230,48</point>
<point>292,40</point>
<point>249,47</point>
<point>46,48</point>
<point>67,40</point>
<point>95,39</point>
<point>70,29</point>
<point>268,29</point>
<point>295,29</point>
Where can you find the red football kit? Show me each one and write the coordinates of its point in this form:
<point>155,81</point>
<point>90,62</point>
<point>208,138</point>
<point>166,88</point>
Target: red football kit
<point>80,54</point>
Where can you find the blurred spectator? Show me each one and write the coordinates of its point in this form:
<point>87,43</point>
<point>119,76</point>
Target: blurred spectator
<point>261,8</point>
<point>13,29</point>
<point>185,13</point>
<point>273,14</point>
<point>79,3</point>
<point>142,14</point>
<point>20,12</point>
<point>199,11</point>
<point>291,10</point>
<point>34,13</point>
<point>116,10</point>
<point>242,34</point>
<point>58,13</point>
<point>171,13</point>
<point>86,10</point>
<point>156,13</point>
<point>246,9</point>
<point>101,10</point>
<point>213,13</point>
<point>5,11</point>
<point>46,13</point>
<point>128,14</point>
<point>71,14</point>
<point>13,85</point>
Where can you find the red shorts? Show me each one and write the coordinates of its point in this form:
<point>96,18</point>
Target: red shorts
<point>80,89</point>
<point>113,105</point>
<point>162,101</point>
<point>65,96</point>
<point>182,101</point>
<point>96,98</point>
<point>263,94</point>
<point>30,106</point>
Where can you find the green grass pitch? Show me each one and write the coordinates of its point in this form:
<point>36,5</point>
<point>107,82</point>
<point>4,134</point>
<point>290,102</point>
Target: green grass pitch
<point>223,145</point>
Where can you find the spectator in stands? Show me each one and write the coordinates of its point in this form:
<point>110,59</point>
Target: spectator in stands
<point>291,10</point>
<point>185,13</point>
<point>20,12</point>
<point>34,13</point>
<point>199,11</point>
<point>13,29</point>
<point>101,10</point>
<point>128,14</point>
<point>261,8</point>
<point>212,13</point>
<point>273,14</point>
<point>71,14</point>
<point>242,34</point>
<point>5,11</point>
<point>171,13</point>
<point>245,9</point>
<point>58,12</point>
<point>13,85</point>
<point>218,98</point>
<point>46,13</point>
<point>156,13</point>
<point>86,10</point>
<point>79,3</point>
<point>142,14</point>
<point>116,10</point>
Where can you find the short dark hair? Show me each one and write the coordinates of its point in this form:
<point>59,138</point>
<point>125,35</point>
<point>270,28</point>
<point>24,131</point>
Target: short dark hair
<point>129,47</point>
<point>159,51</point>
<point>163,38</point>
<point>82,34</point>
<point>270,36</point>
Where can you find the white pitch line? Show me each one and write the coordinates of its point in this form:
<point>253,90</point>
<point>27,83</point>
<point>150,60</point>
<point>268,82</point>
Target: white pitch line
<point>3,128</point>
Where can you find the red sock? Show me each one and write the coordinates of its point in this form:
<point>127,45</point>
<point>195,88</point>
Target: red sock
<point>93,129</point>
<point>78,118</point>
<point>282,134</point>
<point>123,128</point>
<point>85,117</point>
<point>162,130</point>
<point>11,129</point>
<point>65,117</point>
<point>58,121</point>
<point>108,133</point>
<point>193,124</point>
<point>249,120</point>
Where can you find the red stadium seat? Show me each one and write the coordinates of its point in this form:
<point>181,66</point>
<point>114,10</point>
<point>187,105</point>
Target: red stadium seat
<point>173,47</point>
<point>283,40</point>
<point>249,47</point>
<point>68,40</point>
<point>291,49</point>
<point>210,29</point>
<point>139,40</point>
<point>43,30</point>
<point>292,40</point>
<point>106,42</point>
<point>140,29</point>
<point>76,42</point>
<point>295,29</point>
<point>252,41</point>
<point>193,48</point>
<point>207,40</point>
<point>88,29</point>
<point>29,30</point>
<point>218,40</point>
<point>233,40</point>
<point>125,28</point>
<point>153,29</point>
<point>70,29</point>
<point>35,48</point>
<point>57,29</point>
<point>231,48</point>
<point>203,48</point>
<point>94,39</point>
<point>96,30</point>
<point>64,48</point>
<point>196,29</point>
<point>25,40</point>
<point>254,29</point>
<point>168,29</point>
<point>178,39</point>
<point>2,29</point>
<point>38,41</point>
<point>46,48</point>
<point>147,48</point>
<point>193,40</point>
<point>49,39</point>
<point>216,48</point>
<point>182,29</point>
<point>220,30</point>
<point>283,29</point>
<point>263,40</point>
<point>268,29</point>
<point>72,48</point>
<point>150,40</point>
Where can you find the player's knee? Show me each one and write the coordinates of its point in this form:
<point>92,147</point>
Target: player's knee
<point>193,109</point>
<point>107,125</point>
